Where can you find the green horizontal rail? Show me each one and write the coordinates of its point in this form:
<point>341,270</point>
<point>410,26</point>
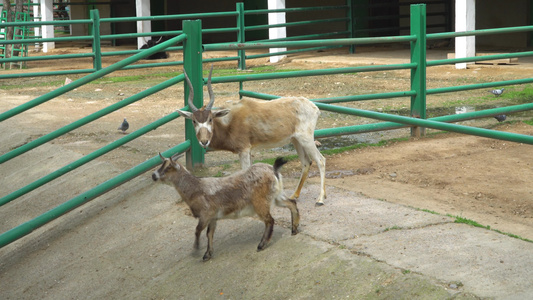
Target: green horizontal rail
<point>41,40</point>
<point>29,226</point>
<point>340,99</point>
<point>479,32</point>
<point>100,73</point>
<point>304,37</point>
<point>295,9</point>
<point>290,52</point>
<point>310,43</point>
<point>170,17</point>
<point>48,57</point>
<point>507,136</point>
<point>290,74</point>
<point>36,74</point>
<point>39,23</point>
<point>96,115</point>
<point>87,158</point>
<point>478,58</point>
<point>299,23</point>
<point>478,86</point>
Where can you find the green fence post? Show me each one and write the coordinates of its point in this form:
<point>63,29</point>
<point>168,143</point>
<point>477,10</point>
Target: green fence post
<point>418,74</point>
<point>97,49</point>
<point>241,35</point>
<point>192,64</point>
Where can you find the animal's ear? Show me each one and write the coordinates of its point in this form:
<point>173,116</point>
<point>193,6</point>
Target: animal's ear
<point>220,113</point>
<point>185,114</point>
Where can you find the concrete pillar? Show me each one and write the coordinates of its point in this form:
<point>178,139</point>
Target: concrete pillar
<point>37,17</point>
<point>142,8</point>
<point>465,20</point>
<point>278,32</point>
<point>47,14</point>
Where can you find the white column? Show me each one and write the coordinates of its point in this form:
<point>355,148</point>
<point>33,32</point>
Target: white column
<point>37,17</point>
<point>142,8</point>
<point>47,14</point>
<point>465,20</point>
<point>278,32</point>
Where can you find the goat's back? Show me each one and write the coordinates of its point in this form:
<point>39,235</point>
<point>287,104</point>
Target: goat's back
<point>233,195</point>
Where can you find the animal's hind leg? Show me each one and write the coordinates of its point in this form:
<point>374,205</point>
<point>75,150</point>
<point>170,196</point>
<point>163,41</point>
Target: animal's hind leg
<point>306,164</point>
<point>267,235</point>
<point>308,147</point>
<point>295,214</point>
<point>210,233</point>
<point>321,163</point>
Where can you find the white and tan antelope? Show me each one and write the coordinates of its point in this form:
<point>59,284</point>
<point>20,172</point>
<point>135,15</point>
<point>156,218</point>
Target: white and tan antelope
<point>251,124</point>
<point>244,193</point>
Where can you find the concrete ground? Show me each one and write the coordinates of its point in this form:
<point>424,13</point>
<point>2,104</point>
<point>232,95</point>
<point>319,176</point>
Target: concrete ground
<point>136,243</point>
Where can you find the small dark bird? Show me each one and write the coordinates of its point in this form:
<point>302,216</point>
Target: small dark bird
<point>124,126</point>
<point>500,118</point>
<point>497,92</point>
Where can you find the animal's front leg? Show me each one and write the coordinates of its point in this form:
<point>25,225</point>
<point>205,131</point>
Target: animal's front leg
<point>210,233</point>
<point>245,157</point>
<point>199,228</point>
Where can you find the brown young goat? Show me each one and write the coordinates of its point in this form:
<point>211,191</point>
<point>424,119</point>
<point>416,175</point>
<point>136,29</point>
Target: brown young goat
<point>244,193</point>
<point>260,124</point>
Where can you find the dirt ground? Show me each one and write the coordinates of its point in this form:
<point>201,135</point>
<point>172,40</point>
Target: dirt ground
<point>477,178</point>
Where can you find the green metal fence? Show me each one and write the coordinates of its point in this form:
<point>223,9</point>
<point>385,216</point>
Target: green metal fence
<point>29,226</point>
<point>193,49</point>
<point>236,17</point>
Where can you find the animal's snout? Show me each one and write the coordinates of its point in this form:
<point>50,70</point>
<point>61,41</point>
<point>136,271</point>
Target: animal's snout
<point>205,143</point>
<point>204,136</point>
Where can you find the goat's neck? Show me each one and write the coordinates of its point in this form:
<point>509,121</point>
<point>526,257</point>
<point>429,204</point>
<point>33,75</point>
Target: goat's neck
<point>223,137</point>
<point>186,184</point>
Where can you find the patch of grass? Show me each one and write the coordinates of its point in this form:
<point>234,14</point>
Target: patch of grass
<point>429,211</point>
<point>392,228</point>
<point>405,272</point>
<point>30,84</point>
<point>462,220</point>
<point>529,122</point>
<point>362,145</point>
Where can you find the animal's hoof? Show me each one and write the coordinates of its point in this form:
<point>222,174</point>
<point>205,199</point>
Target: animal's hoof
<point>207,257</point>
<point>261,247</point>
<point>295,232</point>
<point>319,203</point>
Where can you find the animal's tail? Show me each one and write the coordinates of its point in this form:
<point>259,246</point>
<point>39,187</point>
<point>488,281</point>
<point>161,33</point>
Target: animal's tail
<point>280,161</point>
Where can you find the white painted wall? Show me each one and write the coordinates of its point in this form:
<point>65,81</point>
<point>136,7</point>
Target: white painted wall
<point>465,20</point>
<point>279,32</point>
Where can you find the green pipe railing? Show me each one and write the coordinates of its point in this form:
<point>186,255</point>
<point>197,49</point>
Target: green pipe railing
<point>320,72</point>
<point>46,138</point>
<point>320,133</point>
<point>506,136</point>
<point>29,226</point>
<point>84,80</point>
<point>87,119</point>
<point>97,53</point>
<point>88,158</point>
<point>193,29</point>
